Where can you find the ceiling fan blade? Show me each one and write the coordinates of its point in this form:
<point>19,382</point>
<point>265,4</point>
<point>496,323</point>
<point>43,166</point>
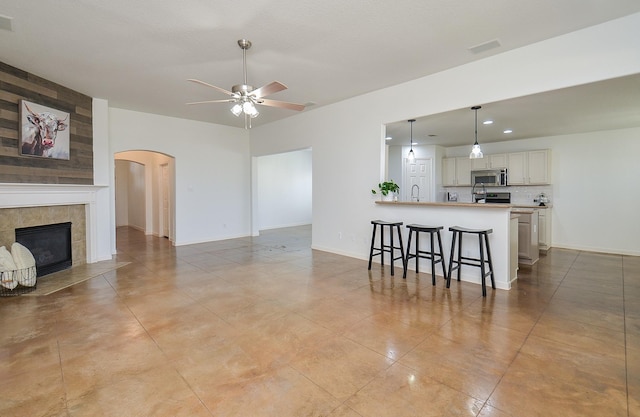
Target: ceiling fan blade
<point>271,88</point>
<point>222,90</point>
<point>226,100</point>
<point>282,104</point>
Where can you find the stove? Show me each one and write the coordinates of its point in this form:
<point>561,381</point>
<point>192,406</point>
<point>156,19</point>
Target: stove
<point>502,197</point>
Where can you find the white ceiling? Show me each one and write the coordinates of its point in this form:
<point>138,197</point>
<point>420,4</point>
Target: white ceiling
<point>605,105</point>
<point>138,53</point>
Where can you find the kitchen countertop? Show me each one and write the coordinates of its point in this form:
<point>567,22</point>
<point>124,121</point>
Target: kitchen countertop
<point>460,204</point>
<point>444,204</point>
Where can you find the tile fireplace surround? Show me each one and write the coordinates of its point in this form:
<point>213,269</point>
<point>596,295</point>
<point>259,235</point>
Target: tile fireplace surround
<point>24,205</point>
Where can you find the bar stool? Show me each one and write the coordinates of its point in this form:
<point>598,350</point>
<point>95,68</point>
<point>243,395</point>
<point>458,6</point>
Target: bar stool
<point>434,256</point>
<point>483,235</point>
<point>390,248</point>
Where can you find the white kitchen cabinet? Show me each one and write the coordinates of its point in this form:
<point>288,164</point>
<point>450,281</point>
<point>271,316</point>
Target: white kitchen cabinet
<point>528,231</point>
<point>544,229</point>
<point>513,247</point>
<point>463,171</point>
<point>456,171</point>
<point>517,168</point>
<point>529,168</point>
<point>495,161</point>
<point>538,162</point>
<point>449,172</point>
<point>498,160</point>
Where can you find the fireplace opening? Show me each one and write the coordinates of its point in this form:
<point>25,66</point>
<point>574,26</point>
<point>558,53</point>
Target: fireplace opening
<point>50,245</point>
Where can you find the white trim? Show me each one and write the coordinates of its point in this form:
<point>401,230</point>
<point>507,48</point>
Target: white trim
<point>40,195</point>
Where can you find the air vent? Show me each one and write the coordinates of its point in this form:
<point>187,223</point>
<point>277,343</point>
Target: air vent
<point>485,46</point>
<point>6,23</point>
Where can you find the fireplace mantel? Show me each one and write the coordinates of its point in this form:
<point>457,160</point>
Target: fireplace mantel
<point>33,195</point>
<point>42,195</point>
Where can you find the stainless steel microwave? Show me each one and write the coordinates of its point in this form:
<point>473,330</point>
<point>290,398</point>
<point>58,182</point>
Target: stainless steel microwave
<point>489,177</point>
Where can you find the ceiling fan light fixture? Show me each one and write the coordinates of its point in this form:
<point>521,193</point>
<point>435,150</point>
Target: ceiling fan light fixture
<point>245,97</point>
<point>236,109</point>
<point>476,152</point>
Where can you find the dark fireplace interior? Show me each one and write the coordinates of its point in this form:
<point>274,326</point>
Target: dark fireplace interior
<point>50,245</point>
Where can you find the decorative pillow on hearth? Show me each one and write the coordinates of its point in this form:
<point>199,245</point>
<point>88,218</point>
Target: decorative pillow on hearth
<point>26,264</point>
<point>7,269</point>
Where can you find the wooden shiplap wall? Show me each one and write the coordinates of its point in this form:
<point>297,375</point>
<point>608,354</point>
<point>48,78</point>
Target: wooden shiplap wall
<point>16,85</point>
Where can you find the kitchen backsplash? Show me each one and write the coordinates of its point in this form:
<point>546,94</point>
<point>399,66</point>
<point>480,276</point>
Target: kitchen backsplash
<point>522,195</point>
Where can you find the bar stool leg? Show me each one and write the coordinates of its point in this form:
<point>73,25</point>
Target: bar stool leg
<point>486,239</point>
<point>382,245</point>
<point>406,261</point>
<point>391,250</point>
<point>404,268</point>
<point>484,279</point>
<point>459,253</point>
<point>453,248</point>
<point>373,239</point>
<point>433,262</point>
<point>444,267</point>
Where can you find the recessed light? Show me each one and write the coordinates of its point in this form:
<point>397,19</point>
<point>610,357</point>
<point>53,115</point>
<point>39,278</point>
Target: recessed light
<point>388,138</point>
<point>507,131</point>
<point>487,122</point>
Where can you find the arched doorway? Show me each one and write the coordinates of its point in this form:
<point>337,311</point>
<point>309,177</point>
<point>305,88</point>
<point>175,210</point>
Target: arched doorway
<point>145,192</point>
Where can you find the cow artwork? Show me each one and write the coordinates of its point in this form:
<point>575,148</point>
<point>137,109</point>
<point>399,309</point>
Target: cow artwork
<point>40,128</point>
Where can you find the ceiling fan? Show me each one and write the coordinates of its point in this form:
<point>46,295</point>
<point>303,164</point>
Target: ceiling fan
<point>246,96</point>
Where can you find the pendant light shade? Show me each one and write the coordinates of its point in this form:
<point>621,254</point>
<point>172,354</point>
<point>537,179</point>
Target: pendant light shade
<point>412,156</point>
<point>476,152</point>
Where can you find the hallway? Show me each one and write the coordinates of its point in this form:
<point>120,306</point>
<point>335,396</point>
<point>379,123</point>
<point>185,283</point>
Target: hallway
<point>265,326</point>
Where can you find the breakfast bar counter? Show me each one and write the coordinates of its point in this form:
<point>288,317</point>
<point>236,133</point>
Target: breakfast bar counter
<point>470,215</point>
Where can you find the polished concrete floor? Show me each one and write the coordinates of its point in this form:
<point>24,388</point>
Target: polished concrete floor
<point>267,327</point>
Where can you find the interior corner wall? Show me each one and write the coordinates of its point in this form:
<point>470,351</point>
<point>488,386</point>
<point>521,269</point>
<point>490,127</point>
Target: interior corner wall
<point>596,53</point>
<point>284,194</point>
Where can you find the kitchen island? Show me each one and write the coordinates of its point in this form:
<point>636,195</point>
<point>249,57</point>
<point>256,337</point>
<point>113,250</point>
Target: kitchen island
<point>472,215</point>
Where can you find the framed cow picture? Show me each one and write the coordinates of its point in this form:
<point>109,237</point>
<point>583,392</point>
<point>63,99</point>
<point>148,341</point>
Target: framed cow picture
<point>44,132</point>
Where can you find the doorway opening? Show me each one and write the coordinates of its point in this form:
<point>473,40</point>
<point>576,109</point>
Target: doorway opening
<point>145,192</point>
<point>282,190</point>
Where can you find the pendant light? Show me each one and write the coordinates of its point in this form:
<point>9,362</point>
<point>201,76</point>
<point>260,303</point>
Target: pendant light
<point>412,156</point>
<point>476,152</point>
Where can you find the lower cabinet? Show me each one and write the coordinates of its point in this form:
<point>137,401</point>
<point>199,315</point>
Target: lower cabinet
<point>544,228</point>
<point>528,246</point>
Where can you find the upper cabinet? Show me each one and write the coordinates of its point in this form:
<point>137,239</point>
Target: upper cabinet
<point>529,168</point>
<point>456,171</point>
<point>498,160</point>
<point>524,168</point>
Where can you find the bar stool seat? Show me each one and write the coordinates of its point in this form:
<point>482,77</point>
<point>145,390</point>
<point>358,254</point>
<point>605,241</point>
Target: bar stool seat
<point>389,248</point>
<point>484,263</point>
<point>431,254</point>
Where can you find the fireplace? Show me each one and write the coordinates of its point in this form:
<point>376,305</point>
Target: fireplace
<point>50,245</point>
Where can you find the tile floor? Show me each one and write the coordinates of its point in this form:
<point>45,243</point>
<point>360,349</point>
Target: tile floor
<point>267,327</point>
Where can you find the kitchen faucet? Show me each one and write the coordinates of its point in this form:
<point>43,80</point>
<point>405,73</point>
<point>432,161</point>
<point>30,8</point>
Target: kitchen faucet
<point>418,196</point>
<point>483,193</point>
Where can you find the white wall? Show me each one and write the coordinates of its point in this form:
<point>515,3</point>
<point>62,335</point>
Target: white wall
<point>121,185</point>
<point>355,127</point>
<point>212,170</point>
<point>103,240</point>
<point>284,192</point>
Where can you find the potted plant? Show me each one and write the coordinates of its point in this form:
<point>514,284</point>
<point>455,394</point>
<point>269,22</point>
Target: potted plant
<point>387,189</point>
